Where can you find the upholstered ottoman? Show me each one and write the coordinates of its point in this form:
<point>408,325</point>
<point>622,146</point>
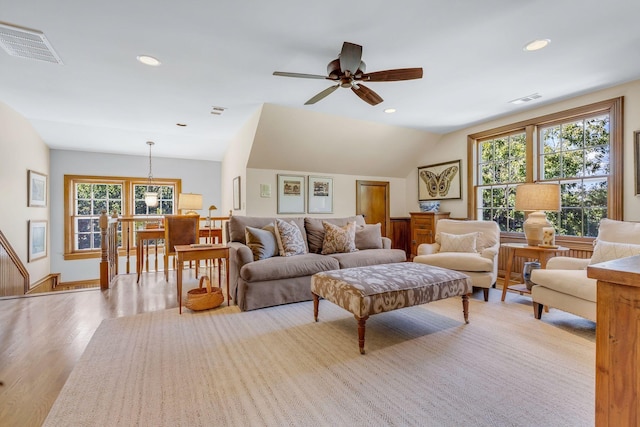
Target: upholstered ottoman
<point>365,291</point>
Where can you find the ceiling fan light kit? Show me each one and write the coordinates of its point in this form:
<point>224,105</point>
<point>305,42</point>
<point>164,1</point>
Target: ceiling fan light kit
<point>349,70</point>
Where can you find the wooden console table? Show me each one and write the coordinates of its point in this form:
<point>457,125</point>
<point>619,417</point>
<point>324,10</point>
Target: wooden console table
<point>617,341</point>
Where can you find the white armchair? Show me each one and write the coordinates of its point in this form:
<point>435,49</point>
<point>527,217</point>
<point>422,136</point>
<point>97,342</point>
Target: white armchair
<point>564,283</point>
<point>470,247</point>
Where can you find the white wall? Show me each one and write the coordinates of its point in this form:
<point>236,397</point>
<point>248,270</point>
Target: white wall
<point>21,149</point>
<point>453,146</point>
<point>198,176</point>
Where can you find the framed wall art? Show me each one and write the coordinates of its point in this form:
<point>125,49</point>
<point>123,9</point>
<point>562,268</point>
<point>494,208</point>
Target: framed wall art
<point>320,194</point>
<point>37,240</point>
<point>636,163</point>
<point>440,181</point>
<point>236,193</point>
<point>290,194</point>
<point>37,183</point>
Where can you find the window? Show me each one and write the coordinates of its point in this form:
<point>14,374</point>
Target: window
<point>579,149</point>
<point>86,198</point>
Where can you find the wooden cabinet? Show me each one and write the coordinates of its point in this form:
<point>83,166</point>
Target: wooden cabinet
<point>400,234</point>
<point>423,228</point>
<point>617,341</point>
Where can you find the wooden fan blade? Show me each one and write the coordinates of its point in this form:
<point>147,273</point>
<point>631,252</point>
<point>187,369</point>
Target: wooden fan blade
<point>392,75</point>
<point>300,75</point>
<point>321,95</point>
<point>366,94</point>
<point>350,57</point>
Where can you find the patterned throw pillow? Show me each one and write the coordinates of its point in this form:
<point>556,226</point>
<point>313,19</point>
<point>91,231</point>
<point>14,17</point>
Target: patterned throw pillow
<point>262,241</point>
<point>608,251</point>
<point>458,242</point>
<point>339,239</point>
<point>289,237</point>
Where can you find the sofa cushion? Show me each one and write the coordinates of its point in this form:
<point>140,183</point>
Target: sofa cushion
<point>458,242</point>
<point>289,238</point>
<point>369,236</point>
<point>262,241</point>
<point>461,261</point>
<point>369,257</point>
<point>237,224</point>
<point>339,239</point>
<point>287,267</point>
<point>315,230</point>
<point>570,282</point>
<point>619,231</point>
<point>607,251</point>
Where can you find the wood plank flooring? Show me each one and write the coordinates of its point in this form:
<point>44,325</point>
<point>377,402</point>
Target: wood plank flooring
<point>43,336</point>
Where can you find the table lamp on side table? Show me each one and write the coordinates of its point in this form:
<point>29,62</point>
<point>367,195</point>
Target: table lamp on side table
<point>190,202</point>
<point>209,223</point>
<point>535,199</point>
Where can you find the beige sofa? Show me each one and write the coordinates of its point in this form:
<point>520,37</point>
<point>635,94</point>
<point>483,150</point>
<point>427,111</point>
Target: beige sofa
<point>471,247</point>
<point>564,283</point>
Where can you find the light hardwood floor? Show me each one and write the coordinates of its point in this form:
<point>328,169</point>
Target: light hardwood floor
<point>43,336</point>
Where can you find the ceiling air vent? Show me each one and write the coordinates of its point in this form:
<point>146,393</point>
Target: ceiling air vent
<point>26,43</point>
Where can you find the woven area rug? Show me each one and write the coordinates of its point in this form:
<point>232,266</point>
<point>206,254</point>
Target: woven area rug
<point>277,367</point>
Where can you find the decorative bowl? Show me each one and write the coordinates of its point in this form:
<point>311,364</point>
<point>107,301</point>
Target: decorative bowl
<point>430,206</point>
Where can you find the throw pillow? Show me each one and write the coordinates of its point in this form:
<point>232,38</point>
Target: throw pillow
<point>607,251</point>
<point>458,242</point>
<point>369,236</point>
<point>289,238</point>
<point>262,241</point>
<point>339,239</point>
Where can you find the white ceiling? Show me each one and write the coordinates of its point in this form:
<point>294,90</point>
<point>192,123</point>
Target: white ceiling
<point>223,53</point>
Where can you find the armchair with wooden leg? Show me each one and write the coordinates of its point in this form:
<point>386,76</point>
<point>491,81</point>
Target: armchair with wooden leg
<point>178,230</point>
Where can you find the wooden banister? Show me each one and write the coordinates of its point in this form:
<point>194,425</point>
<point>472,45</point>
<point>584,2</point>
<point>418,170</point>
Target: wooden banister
<point>14,277</point>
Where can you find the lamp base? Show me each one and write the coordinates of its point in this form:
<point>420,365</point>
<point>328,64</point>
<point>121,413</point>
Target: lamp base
<point>533,226</point>
<point>191,213</point>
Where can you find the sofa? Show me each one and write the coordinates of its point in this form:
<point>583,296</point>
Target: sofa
<point>470,247</point>
<point>564,284</point>
<point>261,275</point>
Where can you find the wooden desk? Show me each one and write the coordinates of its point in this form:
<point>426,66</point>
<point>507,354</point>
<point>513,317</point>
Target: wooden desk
<point>617,341</point>
<point>158,233</point>
<point>188,253</point>
<point>526,251</point>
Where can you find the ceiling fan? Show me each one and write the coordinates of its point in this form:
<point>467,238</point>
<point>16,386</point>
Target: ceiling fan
<point>349,70</point>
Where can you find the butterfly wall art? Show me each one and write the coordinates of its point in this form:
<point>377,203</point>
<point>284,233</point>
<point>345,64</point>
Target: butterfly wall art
<point>440,181</point>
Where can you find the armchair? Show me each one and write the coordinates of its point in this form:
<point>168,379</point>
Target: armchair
<point>564,283</point>
<point>470,247</point>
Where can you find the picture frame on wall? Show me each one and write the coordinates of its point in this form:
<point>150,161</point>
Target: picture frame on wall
<point>37,240</point>
<point>237,204</point>
<point>37,185</point>
<point>636,163</point>
<point>440,181</point>
<point>320,194</point>
<point>291,195</point>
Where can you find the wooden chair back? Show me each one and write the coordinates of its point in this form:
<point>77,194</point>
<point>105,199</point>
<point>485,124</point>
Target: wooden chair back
<point>179,230</point>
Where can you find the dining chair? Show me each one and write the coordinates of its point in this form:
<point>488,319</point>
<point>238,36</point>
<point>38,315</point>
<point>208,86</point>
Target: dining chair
<point>178,230</point>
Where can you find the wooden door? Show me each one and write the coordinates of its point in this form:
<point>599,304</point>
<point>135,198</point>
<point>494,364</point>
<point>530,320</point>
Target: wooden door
<point>372,201</point>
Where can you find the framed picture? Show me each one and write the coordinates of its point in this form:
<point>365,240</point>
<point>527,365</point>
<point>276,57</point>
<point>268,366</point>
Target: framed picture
<point>37,183</point>
<point>236,193</point>
<point>37,240</point>
<point>440,181</point>
<point>290,194</point>
<point>320,194</point>
<point>636,151</point>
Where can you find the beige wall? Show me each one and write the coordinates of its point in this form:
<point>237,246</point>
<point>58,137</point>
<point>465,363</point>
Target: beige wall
<point>453,146</point>
<point>21,150</point>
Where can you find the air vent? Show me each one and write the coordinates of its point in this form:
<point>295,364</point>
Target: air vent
<point>217,110</point>
<point>26,43</point>
<point>525,99</point>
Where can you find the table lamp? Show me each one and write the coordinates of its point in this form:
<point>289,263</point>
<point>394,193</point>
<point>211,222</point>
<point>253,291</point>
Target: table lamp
<point>211,208</point>
<point>190,202</point>
<point>535,199</point>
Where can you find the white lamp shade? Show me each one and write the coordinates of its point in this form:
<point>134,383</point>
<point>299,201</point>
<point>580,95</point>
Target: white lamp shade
<point>190,202</point>
<point>151,199</point>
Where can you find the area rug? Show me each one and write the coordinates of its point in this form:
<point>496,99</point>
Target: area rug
<point>277,367</point>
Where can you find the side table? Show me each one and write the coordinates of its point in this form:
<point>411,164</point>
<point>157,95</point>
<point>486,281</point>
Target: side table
<point>526,251</point>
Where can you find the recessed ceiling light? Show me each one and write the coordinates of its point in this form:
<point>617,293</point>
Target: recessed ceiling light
<point>389,110</point>
<point>181,125</point>
<point>536,45</point>
<point>148,60</point>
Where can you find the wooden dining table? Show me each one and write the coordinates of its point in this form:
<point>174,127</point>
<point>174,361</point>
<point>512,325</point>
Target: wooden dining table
<point>210,234</point>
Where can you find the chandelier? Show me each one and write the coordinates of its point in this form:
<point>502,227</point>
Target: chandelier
<point>150,197</point>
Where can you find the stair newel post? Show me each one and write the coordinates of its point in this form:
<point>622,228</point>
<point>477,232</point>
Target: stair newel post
<point>104,258</point>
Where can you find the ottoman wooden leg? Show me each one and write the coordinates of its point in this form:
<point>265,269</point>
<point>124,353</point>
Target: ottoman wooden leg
<point>465,308</point>
<point>361,325</point>
<point>316,302</point>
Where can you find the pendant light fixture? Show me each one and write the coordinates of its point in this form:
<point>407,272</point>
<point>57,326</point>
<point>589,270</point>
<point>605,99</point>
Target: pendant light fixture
<point>150,197</point>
